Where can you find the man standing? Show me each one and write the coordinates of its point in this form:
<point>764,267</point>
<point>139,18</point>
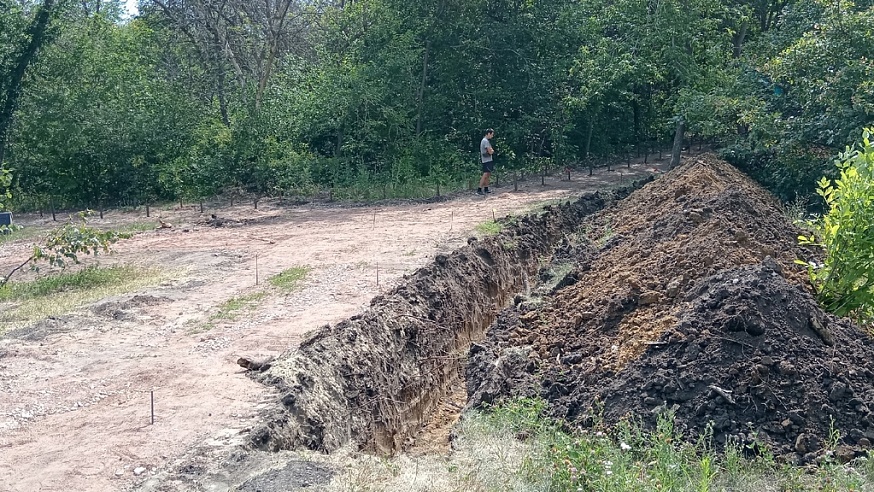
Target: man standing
<point>486,151</point>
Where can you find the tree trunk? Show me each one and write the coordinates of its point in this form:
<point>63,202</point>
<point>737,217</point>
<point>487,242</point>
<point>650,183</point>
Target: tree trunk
<point>635,107</point>
<point>738,40</point>
<point>37,32</point>
<point>223,102</point>
<point>420,96</point>
<point>589,136</point>
<point>678,143</point>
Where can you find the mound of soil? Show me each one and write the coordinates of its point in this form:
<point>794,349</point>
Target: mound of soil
<point>375,378</point>
<point>685,298</point>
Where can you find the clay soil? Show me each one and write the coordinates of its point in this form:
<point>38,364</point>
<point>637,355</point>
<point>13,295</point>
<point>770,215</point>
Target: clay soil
<point>75,389</point>
<point>683,299</point>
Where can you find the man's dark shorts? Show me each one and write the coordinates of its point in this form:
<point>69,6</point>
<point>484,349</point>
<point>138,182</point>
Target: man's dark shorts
<point>488,166</point>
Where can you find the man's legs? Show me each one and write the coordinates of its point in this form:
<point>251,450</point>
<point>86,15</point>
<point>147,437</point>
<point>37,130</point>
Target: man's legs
<point>484,181</point>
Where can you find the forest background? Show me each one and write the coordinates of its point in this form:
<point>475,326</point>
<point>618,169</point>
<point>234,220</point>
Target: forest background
<point>366,99</point>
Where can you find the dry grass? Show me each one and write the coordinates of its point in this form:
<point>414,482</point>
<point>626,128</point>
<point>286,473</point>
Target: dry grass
<point>26,302</point>
<point>487,457</point>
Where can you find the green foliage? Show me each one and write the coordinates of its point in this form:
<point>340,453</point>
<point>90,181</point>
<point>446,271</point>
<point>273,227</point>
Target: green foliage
<point>5,183</point>
<point>72,240</point>
<point>68,243</point>
<point>845,279</point>
<point>382,98</point>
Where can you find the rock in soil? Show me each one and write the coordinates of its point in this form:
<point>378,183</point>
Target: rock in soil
<point>697,307</point>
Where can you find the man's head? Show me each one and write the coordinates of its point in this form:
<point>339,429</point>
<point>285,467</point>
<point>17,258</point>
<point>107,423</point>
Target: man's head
<point>490,133</point>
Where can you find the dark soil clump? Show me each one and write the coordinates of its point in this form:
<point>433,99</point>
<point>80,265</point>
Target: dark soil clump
<point>685,298</point>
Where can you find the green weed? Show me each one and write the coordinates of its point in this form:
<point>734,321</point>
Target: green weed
<point>230,309</point>
<point>289,280</point>
<point>489,228</point>
<point>515,446</point>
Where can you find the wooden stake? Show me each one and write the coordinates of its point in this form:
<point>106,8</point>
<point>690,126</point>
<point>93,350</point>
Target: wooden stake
<point>494,219</point>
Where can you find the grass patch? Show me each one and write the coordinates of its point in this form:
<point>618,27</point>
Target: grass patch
<point>87,278</point>
<point>514,447</point>
<point>230,310</point>
<point>489,228</point>
<point>26,302</point>
<point>27,233</point>
<point>290,279</point>
<point>20,233</point>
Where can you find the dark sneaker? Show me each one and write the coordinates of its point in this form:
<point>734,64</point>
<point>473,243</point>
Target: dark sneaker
<point>479,192</point>
<point>487,190</point>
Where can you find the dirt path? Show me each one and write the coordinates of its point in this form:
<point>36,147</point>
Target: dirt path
<point>75,390</point>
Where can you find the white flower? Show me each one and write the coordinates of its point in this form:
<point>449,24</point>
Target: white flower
<point>624,447</point>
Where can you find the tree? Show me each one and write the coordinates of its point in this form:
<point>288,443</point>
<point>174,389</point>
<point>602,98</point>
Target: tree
<point>67,243</point>
<point>26,53</point>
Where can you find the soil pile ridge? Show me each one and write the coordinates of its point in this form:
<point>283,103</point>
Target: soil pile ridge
<point>685,297</point>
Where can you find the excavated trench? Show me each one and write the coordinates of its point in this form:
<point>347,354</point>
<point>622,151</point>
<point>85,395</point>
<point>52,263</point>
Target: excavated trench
<point>679,297</point>
<point>682,296</point>
<point>374,379</point>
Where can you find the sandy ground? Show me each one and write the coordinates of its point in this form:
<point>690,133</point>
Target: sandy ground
<point>75,391</point>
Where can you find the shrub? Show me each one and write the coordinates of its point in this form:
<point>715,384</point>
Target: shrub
<point>845,280</point>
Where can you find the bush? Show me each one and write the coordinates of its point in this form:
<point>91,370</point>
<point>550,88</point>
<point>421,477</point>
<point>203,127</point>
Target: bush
<point>845,281</point>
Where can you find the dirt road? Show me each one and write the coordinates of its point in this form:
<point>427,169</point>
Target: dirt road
<point>75,390</point>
